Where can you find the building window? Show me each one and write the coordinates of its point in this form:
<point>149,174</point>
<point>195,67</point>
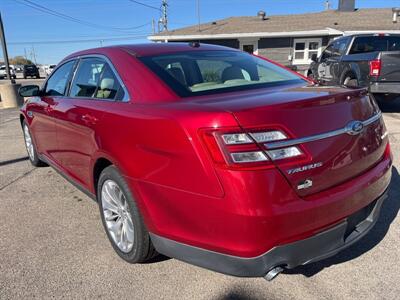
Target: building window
<point>249,45</point>
<point>303,49</point>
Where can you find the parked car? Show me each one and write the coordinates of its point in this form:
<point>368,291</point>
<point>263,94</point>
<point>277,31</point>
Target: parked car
<point>3,72</point>
<point>212,155</point>
<point>367,60</point>
<point>31,71</point>
<point>50,69</point>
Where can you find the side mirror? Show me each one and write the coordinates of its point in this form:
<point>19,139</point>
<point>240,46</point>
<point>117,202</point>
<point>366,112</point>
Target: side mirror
<point>314,57</point>
<point>29,91</point>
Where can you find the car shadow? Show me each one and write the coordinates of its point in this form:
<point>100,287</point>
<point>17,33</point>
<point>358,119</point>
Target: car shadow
<point>157,259</point>
<point>390,106</point>
<point>389,211</point>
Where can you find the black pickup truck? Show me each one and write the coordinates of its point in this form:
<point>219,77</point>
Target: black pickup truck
<point>368,60</point>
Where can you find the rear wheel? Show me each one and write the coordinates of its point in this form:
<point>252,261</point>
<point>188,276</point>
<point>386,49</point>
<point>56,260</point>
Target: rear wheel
<point>121,218</point>
<point>350,80</point>
<point>30,146</point>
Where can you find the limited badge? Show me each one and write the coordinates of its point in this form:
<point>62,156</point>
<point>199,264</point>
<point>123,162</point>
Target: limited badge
<point>305,184</point>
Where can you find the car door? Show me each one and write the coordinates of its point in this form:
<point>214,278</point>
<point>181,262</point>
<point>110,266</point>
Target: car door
<point>79,115</point>
<point>41,108</point>
<point>329,65</point>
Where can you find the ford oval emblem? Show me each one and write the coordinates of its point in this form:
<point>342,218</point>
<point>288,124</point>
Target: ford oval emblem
<point>354,127</point>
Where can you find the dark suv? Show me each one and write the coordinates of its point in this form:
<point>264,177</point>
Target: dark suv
<point>31,71</point>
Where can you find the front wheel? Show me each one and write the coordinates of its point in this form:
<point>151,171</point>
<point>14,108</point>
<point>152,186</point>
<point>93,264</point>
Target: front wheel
<point>30,146</point>
<point>121,218</point>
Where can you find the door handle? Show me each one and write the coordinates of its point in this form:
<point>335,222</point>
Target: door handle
<point>89,119</point>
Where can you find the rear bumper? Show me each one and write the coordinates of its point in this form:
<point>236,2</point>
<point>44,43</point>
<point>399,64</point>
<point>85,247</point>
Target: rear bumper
<point>314,248</point>
<point>385,87</point>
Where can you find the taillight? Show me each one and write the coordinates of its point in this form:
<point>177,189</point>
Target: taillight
<point>375,67</point>
<point>388,152</point>
<point>233,148</point>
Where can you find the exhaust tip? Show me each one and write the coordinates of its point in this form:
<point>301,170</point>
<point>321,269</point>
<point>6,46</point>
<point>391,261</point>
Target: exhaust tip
<point>271,275</point>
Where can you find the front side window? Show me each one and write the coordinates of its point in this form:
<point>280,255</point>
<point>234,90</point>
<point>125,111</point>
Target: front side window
<point>57,83</point>
<point>209,72</point>
<point>95,79</point>
<point>336,49</point>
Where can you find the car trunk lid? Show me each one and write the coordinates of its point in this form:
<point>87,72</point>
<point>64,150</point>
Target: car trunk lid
<point>319,120</point>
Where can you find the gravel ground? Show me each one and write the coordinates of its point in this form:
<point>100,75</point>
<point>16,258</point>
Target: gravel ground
<point>52,245</point>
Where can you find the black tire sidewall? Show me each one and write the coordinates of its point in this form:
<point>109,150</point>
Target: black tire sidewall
<point>141,237</point>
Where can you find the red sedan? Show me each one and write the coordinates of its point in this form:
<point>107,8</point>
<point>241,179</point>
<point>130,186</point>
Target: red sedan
<point>211,155</point>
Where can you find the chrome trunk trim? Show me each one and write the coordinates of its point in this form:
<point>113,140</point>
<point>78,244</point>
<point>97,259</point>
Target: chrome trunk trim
<point>347,129</point>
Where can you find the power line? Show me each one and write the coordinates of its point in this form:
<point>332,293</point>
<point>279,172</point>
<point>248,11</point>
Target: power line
<point>131,37</point>
<point>44,9</point>
<point>144,4</point>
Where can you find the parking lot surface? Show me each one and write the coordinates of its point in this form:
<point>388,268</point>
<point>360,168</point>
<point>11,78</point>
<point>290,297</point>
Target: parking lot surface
<point>52,244</point>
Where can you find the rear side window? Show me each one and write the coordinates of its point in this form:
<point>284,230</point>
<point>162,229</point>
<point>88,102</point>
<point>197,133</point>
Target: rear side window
<point>95,79</point>
<point>87,78</point>
<point>57,83</point>
<point>210,72</point>
<point>365,44</point>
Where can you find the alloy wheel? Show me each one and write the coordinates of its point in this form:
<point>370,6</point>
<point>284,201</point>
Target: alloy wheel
<point>117,216</point>
<point>29,143</point>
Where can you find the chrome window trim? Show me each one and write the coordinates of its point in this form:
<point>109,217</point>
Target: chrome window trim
<point>313,138</point>
<point>126,97</point>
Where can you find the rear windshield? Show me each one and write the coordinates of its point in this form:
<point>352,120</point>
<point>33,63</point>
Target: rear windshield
<point>210,72</point>
<point>366,44</point>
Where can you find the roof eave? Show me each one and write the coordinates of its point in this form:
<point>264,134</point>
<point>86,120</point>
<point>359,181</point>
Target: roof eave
<point>186,37</point>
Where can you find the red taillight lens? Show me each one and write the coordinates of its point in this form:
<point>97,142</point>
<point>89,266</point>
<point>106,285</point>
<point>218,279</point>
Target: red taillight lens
<point>388,152</point>
<point>233,148</point>
<point>375,67</point>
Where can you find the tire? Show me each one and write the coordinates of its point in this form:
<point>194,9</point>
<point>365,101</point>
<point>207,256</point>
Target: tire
<point>386,97</point>
<point>24,76</point>
<point>31,147</point>
<point>38,76</point>
<point>136,246</point>
<point>350,80</point>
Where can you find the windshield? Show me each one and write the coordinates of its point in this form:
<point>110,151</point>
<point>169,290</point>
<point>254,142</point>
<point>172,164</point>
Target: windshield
<point>209,72</point>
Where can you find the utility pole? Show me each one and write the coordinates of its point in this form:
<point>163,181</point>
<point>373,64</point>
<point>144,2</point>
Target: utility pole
<point>34,55</point>
<point>9,91</point>
<point>164,19</point>
<point>26,56</point>
<point>5,53</point>
<point>327,5</point>
<point>198,13</point>
<point>153,26</point>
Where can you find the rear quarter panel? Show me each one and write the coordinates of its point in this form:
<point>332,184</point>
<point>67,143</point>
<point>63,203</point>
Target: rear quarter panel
<point>359,65</point>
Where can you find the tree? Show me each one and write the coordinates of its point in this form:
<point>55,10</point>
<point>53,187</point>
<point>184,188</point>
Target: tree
<point>20,60</point>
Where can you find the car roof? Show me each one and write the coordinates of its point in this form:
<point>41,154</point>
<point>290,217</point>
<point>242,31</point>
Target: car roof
<point>150,49</point>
